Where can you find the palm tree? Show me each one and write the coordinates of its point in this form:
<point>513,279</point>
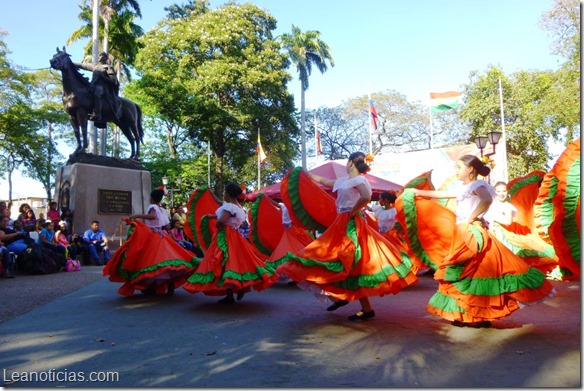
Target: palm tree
<point>305,50</point>
<point>117,27</point>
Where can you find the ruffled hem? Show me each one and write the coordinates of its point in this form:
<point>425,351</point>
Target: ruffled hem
<point>230,263</point>
<point>350,260</point>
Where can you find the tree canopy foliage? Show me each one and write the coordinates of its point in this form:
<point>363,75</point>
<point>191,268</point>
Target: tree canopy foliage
<point>220,76</point>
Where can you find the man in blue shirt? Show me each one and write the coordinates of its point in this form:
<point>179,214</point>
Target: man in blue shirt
<point>94,242</point>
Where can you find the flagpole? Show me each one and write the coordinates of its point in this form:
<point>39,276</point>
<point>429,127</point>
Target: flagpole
<point>369,127</point>
<point>209,164</point>
<point>431,128</point>
<point>259,162</point>
<point>431,125</point>
<point>315,139</point>
<point>504,137</point>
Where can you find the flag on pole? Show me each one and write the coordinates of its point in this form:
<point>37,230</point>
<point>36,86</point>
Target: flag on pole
<point>318,145</point>
<point>442,101</point>
<point>373,114</point>
<point>261,155</point>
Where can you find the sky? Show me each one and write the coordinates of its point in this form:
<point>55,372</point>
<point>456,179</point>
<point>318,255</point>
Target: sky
<point>412,47</point>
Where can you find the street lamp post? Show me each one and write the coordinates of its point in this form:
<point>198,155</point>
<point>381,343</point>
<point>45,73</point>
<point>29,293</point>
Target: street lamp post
<point>492,137</point>
<point>171,191</point>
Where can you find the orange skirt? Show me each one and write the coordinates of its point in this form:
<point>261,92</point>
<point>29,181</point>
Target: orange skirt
<point>479,278</point>
<point>349,261</point>
<point>149,260</point>
<point>230,262</point>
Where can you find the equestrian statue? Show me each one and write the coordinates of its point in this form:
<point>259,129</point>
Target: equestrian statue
<point>97,100</point>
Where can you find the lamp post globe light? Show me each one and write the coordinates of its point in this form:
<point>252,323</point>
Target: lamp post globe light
<point>492,137</point>
<point>165,182</point>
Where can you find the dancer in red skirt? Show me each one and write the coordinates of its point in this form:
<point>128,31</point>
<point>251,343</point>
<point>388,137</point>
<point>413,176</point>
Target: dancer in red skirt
<point>231,263</point>
<point>350,260</point>
<point>150,260</point>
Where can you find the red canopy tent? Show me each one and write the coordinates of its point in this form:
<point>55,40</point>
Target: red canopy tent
<point>332,170</point>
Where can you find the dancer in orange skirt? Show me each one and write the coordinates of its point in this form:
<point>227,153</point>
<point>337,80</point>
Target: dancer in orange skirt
<point>231,263</point>
<point>480,279</point>
<point>501,218</point>
<point>150,260</point>
<point>350,260</point>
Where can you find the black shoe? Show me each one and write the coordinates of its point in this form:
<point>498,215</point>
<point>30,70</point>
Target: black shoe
<point>481,325</point>
<point>362,315</point>
<point>337,304</point>
<point>240,294</point>
<point>170,289</point>
<point>148,291</point>
<point>226,300</point>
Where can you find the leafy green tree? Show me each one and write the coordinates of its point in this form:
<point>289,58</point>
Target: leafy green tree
<point>46,94</point>
<point>220,75</point>
<point>563,99</point>
<point>527,124</point>
<point>305,51</point>
<point>18,119</point>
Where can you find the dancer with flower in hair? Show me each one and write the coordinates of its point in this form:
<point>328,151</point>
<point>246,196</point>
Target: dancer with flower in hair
<point>480,280</point>
<point>350,260</point>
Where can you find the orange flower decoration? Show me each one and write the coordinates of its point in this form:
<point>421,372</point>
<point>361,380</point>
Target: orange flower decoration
<point>369,158</point>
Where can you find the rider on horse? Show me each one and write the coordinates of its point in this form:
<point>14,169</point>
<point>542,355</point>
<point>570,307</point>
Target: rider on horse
<point>104,86</point>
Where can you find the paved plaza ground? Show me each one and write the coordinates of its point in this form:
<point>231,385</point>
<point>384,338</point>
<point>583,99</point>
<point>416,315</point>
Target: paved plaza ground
<point>279,338</point>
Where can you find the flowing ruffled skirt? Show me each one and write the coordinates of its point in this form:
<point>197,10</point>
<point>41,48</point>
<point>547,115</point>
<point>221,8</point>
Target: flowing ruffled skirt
<point>349,261</point>
<point>230,262</point>
<point>149,260</point>
<point>479,279</point>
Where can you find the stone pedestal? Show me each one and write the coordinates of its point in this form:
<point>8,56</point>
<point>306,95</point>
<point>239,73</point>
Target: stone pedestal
<point>101,193</point>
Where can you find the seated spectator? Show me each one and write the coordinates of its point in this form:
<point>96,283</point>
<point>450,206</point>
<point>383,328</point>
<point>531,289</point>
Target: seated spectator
<point>29,221</point>
<point>95,241</point>
<point>62,238</point>
<point>8,214</point>
<point>179,216</point>
<point>7,262</point>
<point>14,240</point>
<point>22,209</point>
<point>47,239</point>
<point>177,233</point>
<point>17,226</point>
<point>67,216</point>
<point>53,214</point>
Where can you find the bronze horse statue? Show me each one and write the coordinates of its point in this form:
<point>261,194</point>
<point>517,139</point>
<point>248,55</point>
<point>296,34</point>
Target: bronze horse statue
<point>78,103</point>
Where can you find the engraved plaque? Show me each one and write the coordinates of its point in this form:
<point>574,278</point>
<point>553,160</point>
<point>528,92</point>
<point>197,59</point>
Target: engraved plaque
<point>114,202</point>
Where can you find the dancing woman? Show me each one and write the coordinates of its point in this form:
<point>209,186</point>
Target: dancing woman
<point>230,263</point>
<point>480,280</point>
<point>350,260</point>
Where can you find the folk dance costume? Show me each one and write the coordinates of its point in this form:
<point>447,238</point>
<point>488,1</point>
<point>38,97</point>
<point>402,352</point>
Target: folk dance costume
<point>272,231</point>
<point>479,279</point>
<point>150,260</point>
<point>350,260</point>
<point>557,212</point>
<point>230,263</point>
<point>197,226</point>
<point>515,229</point>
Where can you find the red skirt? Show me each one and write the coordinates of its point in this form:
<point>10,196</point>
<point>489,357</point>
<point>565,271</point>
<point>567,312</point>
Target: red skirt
<point>149,260</point>
<point>230,262</point>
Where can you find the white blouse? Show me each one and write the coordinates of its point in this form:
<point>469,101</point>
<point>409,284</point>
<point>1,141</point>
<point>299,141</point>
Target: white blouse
<point>237,214</point>
<point>467,201</point>
<point>347,193</point>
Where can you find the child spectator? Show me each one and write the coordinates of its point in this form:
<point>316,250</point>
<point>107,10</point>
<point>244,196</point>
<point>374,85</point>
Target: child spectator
<point>47,239</point>
<point>61,237</point>
<point>53,214</point>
